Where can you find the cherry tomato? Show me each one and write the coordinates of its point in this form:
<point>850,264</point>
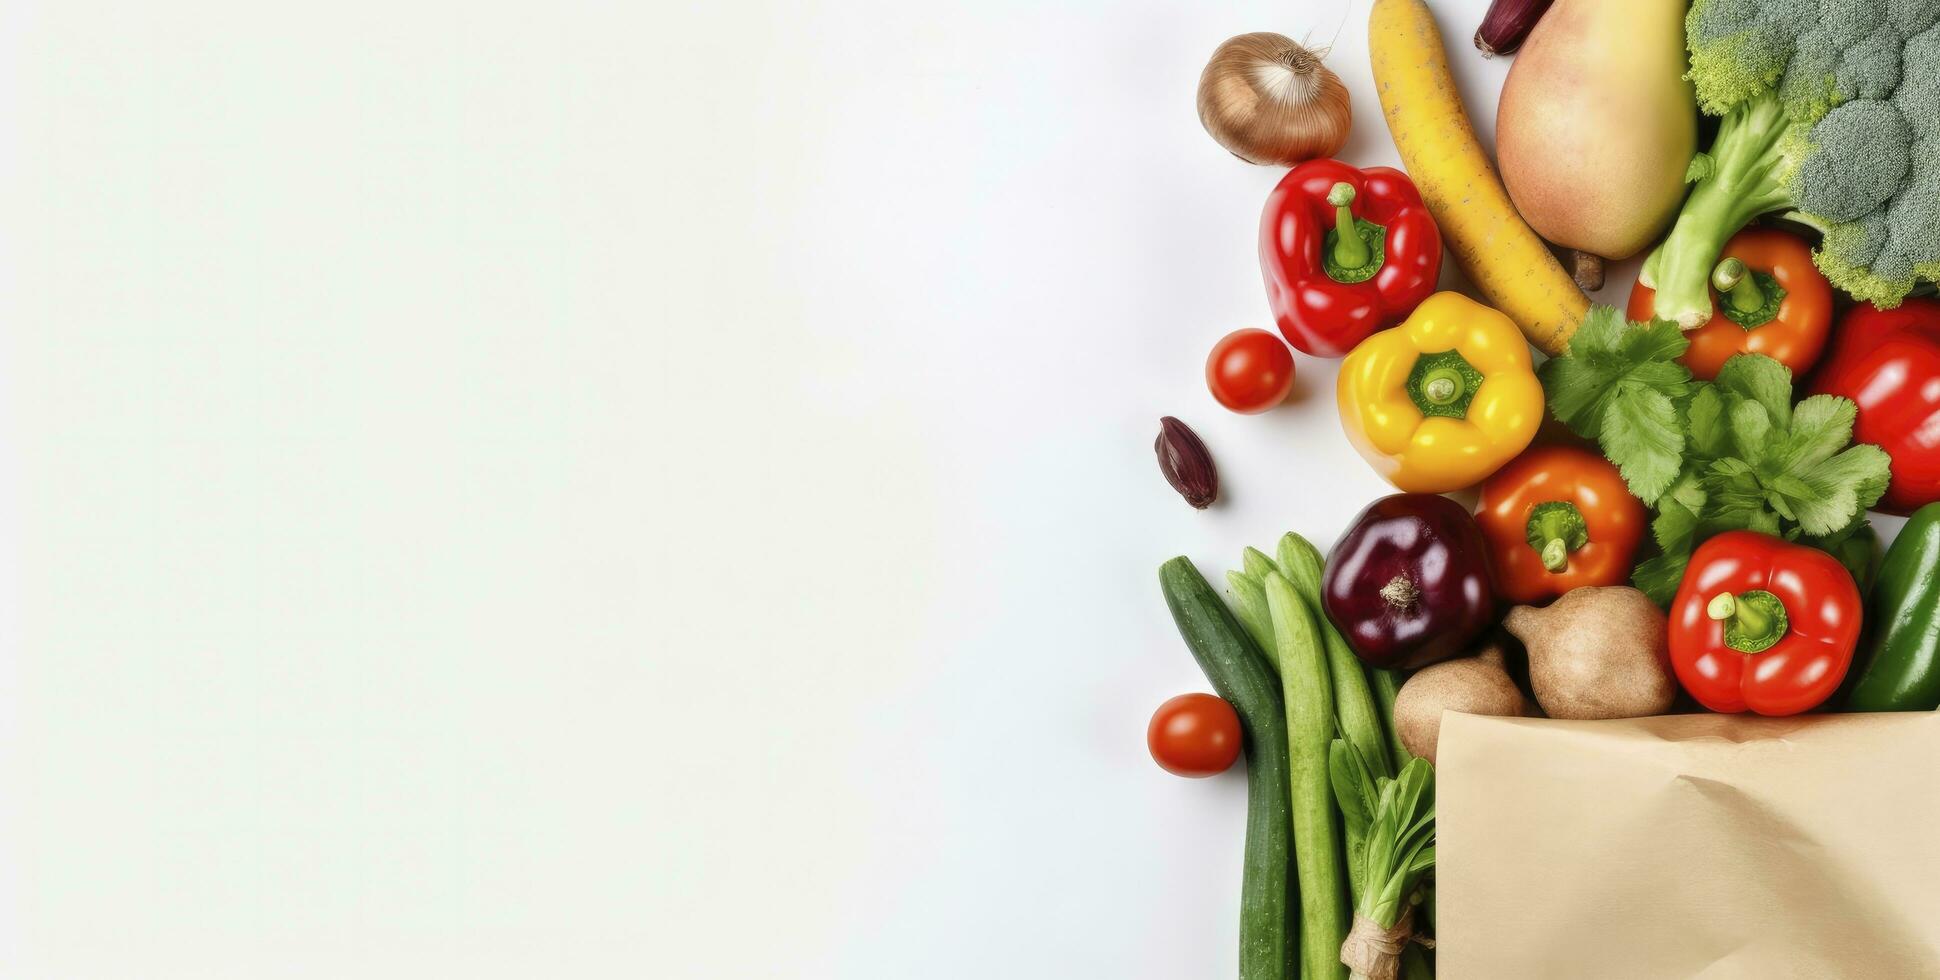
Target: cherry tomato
<point>1250,371</point>
<point>1194,735</point>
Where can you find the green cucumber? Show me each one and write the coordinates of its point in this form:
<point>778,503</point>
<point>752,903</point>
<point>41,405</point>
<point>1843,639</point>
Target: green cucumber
<point>1309,696</point>
<point>1238,672</point>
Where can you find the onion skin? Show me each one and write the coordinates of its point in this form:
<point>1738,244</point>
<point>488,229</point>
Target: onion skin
<point>1408,584</point>
<point>1596,124</point>
<point>1269,101</point>
<point>1507,24</point>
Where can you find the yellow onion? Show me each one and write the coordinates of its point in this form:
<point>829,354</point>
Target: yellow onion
<point>1271,101</point>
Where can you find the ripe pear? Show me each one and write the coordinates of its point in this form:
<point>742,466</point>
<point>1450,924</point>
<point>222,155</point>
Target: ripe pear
<point>1597,124</point>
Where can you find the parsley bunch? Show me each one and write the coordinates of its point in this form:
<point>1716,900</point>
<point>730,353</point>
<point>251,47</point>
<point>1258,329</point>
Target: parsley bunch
<point>1713,456</point>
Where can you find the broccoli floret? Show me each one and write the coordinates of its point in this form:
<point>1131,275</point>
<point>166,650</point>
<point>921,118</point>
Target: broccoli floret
<point>1873,149</point>
<point>1830,110</point>
<point>1911,17</point>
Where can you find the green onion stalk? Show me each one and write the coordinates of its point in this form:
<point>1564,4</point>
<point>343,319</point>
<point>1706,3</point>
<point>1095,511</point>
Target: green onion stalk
<point>1396,818</point>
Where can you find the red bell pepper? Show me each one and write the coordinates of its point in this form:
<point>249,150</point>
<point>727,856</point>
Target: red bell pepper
<point>1888,363</point>
<point>1345,252</point>
<point>1760,623</point>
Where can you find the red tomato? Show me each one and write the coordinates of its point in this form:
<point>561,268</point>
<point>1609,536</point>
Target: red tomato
<point>1194,735</point>
<point>1250,371</point>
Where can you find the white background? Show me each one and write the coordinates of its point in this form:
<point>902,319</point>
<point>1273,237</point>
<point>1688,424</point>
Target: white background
<point>625,490</point>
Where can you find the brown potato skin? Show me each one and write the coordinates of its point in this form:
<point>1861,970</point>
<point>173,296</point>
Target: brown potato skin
<point>1597,653</point>
<point>1475,685</point>
<point>1597,124</point>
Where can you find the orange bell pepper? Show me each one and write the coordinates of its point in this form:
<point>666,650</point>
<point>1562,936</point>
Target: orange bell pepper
<point>1558,518</point>
<point>1766,298</point>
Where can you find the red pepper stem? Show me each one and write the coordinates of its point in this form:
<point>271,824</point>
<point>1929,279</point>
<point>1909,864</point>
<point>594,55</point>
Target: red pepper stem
<point>1739,287</point>
<point>1350,249</point>
<point>1753,621</point>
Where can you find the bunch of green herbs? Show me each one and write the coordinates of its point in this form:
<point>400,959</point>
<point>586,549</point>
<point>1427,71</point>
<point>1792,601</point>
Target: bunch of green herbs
<point>1714,456</point>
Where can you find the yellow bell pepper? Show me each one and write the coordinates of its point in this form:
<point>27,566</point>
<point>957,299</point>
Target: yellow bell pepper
<point>1443,400</point>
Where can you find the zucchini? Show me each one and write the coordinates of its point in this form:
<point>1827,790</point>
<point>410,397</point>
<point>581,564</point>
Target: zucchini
<point>1386,685</point>
<point>1309,697</point>
<point>1249,601</point>
<point>1354,706</point>
<point>1238,672</point>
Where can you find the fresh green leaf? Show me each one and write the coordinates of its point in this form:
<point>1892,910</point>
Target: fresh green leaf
<point>1674,526</point>
<point>1641,435</point>
<point>1575,390</point>
<point>1751,430</point>
<point>1709,436</point>
<point>1657,340</point>
<point>1353,785</point>
<point>1734,499</point>
<point>1399,844</point>
<point>1787,485</point>
<point>1669,377</point>
<point>1688,490</point>
<point>1762,380</point>
<point>1709,457</point>
<point>1821,426</point>
<point>1608,360</point>
<point>1659,577</point>
<point>1846,484</point>
<point>1856,546</point>
<point>1600,333</point>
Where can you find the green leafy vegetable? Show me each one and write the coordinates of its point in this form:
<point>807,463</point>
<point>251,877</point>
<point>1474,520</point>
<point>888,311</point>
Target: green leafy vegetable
<point>1828,110</point>
<point>1729,454</point>
<point>1619,384</point>
<point>1658,577</point>
<point>1396,820</point>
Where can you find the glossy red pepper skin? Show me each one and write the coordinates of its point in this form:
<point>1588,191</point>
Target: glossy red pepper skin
<point>1807,662</point>
<point>1888,363</point>
<point>1319,315</point>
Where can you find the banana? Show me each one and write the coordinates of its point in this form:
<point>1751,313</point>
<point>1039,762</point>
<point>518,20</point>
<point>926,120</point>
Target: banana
<point>1496,249</point>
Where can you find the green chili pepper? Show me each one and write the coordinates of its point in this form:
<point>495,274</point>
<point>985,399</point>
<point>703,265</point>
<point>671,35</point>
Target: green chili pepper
<point>1900,666</point>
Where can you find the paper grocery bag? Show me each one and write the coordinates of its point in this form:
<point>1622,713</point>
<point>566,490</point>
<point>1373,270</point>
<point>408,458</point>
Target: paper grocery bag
<point>1713,846</point>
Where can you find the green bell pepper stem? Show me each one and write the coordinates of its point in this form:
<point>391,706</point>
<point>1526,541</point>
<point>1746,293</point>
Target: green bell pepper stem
<point>1555,529</point>
<point>1754,620</point>
<point>1739,287</point>
<point>1443,383</point>
<point>1350,249</point>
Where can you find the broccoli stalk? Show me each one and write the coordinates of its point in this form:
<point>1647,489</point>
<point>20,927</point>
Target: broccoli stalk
<point>1743,176</point>
<point>1829,113</point>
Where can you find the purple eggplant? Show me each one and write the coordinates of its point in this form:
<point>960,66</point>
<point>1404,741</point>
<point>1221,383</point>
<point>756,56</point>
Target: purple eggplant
<point>1408,584</point>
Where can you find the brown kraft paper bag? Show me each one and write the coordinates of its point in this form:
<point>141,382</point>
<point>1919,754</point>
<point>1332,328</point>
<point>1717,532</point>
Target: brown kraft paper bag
<point>1712,846</point>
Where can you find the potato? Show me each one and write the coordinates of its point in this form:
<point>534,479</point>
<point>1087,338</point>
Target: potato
<point>1477,685</point>
<point>1597,653</point>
